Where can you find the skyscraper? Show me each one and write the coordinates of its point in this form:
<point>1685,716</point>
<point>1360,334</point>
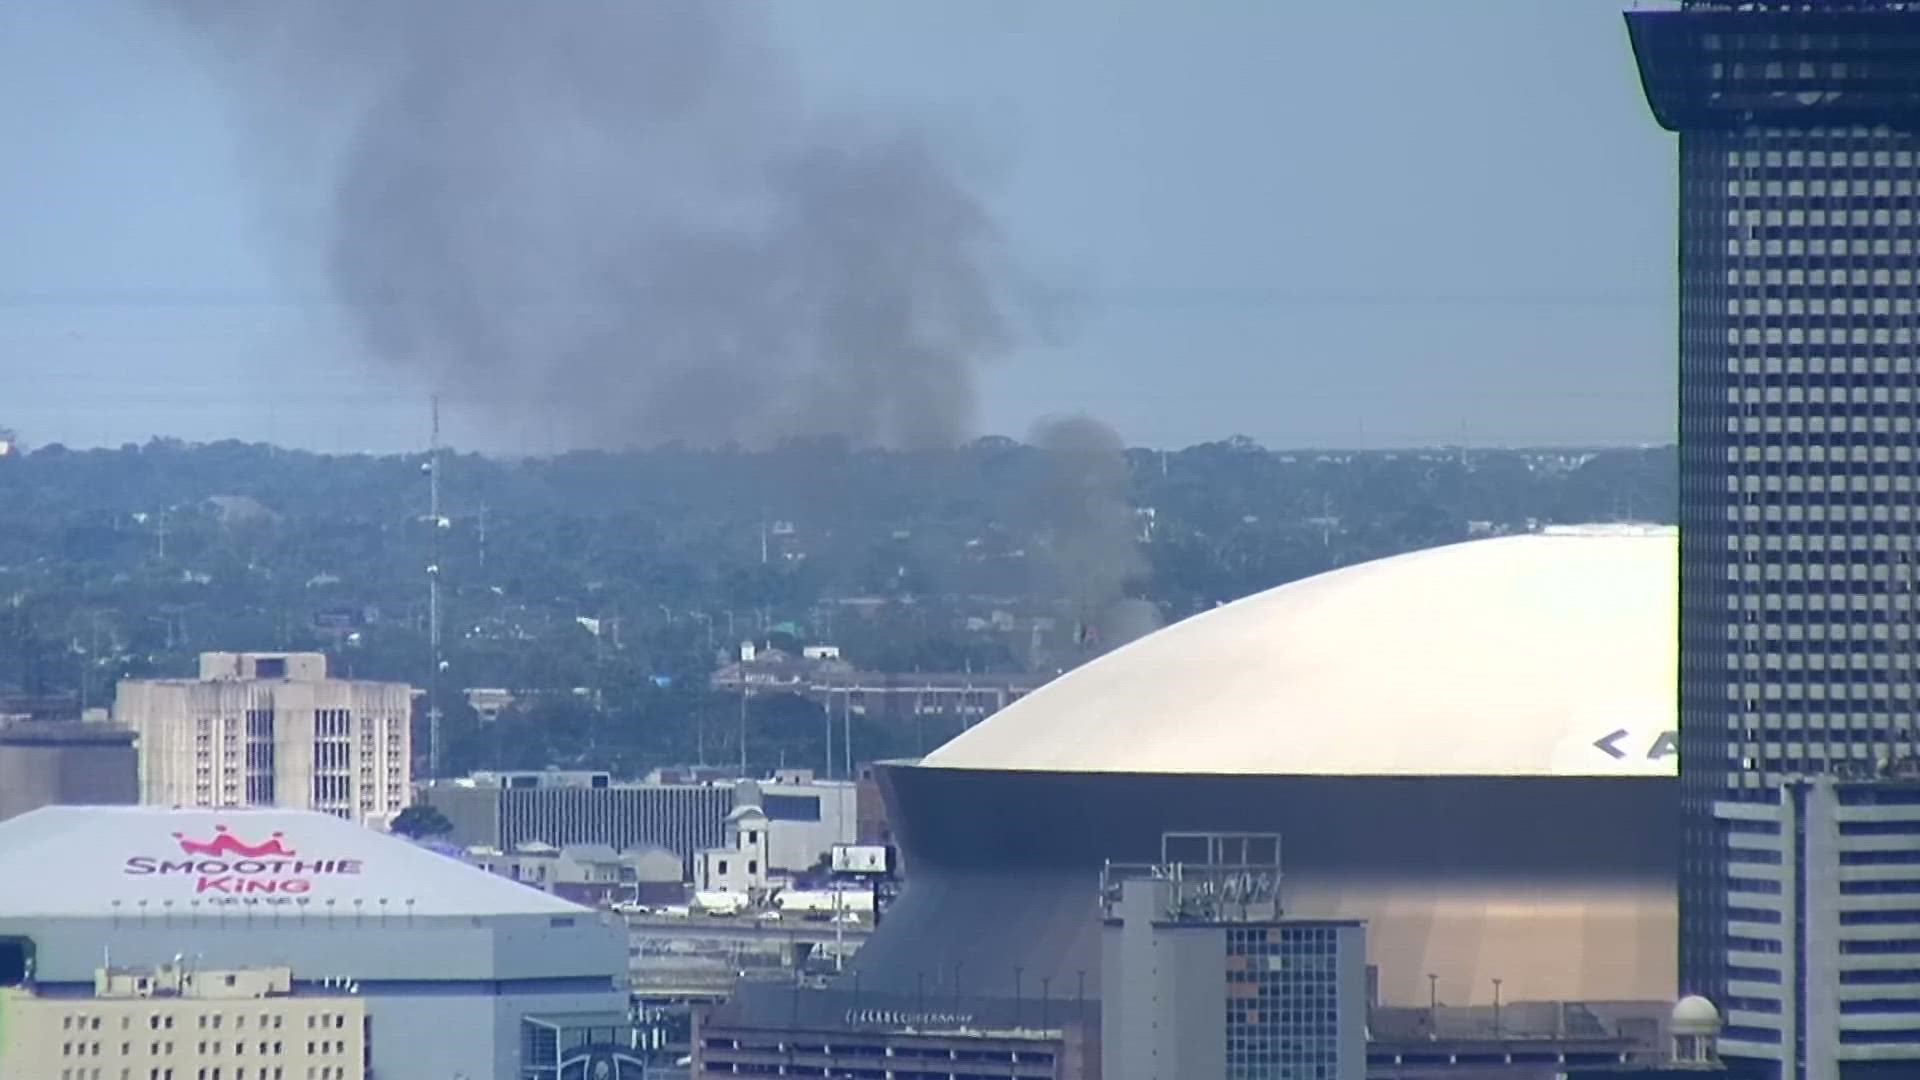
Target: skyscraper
<point>1799,127</point>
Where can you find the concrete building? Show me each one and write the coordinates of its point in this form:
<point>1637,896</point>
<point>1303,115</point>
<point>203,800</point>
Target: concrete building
<point>592,875</point>
<point>807,816</point>
<point>740,865</point>
<point>1202,979</point>
<point>459,969</point>
<point>1517,1041</point>
<point>243,1024</point>
<point>1821,929</point>
<point>928,1037</point>
<point>505,810</point>
<point>272,729</point>
<point>65,762</point>
<point>1799,358</point>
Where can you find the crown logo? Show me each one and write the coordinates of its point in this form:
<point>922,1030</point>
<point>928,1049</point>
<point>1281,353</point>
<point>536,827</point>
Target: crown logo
<point>226,845</point>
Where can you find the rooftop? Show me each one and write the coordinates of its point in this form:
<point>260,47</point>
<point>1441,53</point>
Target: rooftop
<point>62,733</point>
<point>142,862</point>
<point>1548,654</point>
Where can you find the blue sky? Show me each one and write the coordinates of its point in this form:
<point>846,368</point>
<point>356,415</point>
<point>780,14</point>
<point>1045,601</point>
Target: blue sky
<point>1377,222</point>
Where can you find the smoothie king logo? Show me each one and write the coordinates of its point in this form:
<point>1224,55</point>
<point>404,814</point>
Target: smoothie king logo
<point>225,865</point>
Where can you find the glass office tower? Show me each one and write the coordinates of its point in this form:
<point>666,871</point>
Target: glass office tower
<point>1799,406</point>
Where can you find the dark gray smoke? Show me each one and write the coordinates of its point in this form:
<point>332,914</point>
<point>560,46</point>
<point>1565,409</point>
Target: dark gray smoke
<point>621,210</point>
<point>1090,530</point>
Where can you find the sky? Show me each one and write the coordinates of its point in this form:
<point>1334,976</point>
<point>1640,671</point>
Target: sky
<point>1366,224</point>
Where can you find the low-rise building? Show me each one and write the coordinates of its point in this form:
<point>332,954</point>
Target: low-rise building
<point>65,762</point>
<point>766,1031</point>
<point>959,698</point>
<point>235,1024</point>
<point>739,865</point>
<point>593,875</point>
<point>502,811</point>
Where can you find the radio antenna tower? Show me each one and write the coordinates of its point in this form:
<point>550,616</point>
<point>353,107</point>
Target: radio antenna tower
<point>433,596</point>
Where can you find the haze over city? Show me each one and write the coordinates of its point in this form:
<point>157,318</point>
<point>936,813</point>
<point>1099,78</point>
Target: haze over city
<point>679,539</point>
<point>1246,233</point>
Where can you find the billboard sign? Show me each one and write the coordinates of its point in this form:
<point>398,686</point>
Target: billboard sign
<point>225,865</point>
<point>865,859</point>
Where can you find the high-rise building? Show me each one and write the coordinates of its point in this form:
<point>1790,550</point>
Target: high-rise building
<point>1799,127</point>
<point>272,730</point>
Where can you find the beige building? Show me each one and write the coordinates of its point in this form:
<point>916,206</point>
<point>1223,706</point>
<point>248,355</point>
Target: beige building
<point>272,729</point>
<point>171,1023</point>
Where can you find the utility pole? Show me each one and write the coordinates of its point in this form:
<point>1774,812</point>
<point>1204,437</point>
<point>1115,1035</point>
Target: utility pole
<point>846,723</point>
<point>433,596</point>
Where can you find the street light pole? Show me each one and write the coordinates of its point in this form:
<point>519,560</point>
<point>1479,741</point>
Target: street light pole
<point>1433,1005</point>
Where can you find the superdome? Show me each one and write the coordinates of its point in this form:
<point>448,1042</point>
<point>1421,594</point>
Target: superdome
<point>1549,654</point>
<point>1470,748</point>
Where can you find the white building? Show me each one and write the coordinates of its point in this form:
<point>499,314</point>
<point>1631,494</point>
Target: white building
<point>1822,927</point>
<point>807,817</point>
<point>738,866</point>
<point>272,730</point>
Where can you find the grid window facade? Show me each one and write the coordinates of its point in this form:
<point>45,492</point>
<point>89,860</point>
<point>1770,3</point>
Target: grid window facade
<point>1799,416</point>
<point>1800,404</point>
<point>682,818</point>
<point>1282,992</point>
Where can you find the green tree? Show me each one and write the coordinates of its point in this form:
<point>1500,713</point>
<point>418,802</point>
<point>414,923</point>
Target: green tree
<point>422,822</point>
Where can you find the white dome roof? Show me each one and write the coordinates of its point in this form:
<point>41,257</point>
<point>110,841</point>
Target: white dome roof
<point>1695,1015</point>
<point>1549,654</point>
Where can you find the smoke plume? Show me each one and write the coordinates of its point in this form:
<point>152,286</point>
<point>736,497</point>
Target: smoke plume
<point>624,212</point>
<point>1090,529</point>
